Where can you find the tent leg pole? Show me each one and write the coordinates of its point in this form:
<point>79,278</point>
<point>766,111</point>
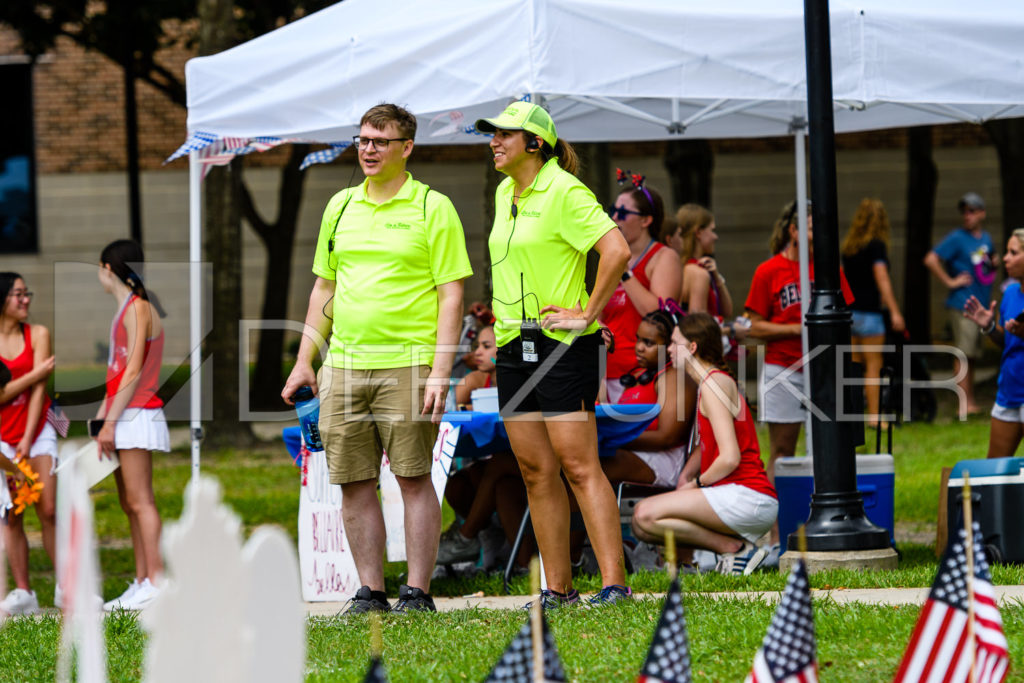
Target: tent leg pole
<point>805,260</point>
<point>195,307</point>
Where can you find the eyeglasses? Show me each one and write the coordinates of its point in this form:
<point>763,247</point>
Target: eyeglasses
<point>21,294</point>
<point>619,213</point>
<point>379,144</point>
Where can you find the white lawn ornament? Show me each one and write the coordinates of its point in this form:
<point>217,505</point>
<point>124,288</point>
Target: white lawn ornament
<point>82,636</point>
<point>227,613</point>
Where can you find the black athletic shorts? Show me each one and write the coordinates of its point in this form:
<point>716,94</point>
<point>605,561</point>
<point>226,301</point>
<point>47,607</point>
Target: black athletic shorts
<point>569,385</point>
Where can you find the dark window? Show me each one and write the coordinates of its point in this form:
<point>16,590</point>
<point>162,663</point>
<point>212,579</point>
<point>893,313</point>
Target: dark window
<point>18,222</point>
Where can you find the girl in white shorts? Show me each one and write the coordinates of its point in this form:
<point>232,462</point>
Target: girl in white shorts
<point>724,502</point>
<point>24,432</point>
<point>132,414</point>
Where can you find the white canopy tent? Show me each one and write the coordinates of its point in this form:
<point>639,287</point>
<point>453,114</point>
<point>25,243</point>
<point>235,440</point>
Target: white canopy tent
<point>607,71</point>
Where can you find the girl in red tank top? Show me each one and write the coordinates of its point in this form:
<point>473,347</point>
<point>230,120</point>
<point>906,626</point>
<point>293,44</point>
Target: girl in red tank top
<point>132,416</point>
<point>725,501</point>
<point>24,431</point>
<point>656,456</point>
<point>653,274</point>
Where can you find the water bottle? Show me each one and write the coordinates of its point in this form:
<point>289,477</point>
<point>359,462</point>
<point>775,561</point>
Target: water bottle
<point>307,406</point>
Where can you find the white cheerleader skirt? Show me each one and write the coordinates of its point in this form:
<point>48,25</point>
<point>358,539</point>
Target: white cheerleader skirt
<point>142,428</point>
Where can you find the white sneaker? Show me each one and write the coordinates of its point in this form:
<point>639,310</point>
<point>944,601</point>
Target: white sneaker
<point>58,597</point>
<point>20,601</point>
<point>122,601</point>
<point>144,596</point>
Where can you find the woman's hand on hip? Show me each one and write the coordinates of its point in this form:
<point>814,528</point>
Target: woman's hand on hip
<point>559,318</point>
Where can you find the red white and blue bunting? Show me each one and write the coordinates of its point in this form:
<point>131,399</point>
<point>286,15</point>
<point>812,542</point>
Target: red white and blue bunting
<point>217,151</point>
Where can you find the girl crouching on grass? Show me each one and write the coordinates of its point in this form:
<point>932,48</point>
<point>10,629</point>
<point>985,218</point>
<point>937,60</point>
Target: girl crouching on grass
<point>132,414</point>
<point>724,502</point>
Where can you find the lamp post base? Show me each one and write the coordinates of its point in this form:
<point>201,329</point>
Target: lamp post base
<point>873,560</point>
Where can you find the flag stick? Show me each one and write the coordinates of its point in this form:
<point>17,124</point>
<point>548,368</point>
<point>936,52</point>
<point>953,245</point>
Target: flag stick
<point>801,541</point>
<point>536,621</point>
<point>969,548</point>
<point>670,554</point>
<point>376,635</point>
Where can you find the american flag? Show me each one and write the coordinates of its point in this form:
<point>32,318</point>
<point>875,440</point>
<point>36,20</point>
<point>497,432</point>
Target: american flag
<point>939,649</point>
<point>516,663</point>
<point>668,660</point>
<point>375,674</point>
<point>788,652</point>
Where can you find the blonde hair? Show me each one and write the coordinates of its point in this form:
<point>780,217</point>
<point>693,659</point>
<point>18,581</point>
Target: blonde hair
<point>689,219</point>
<point>1019,234</point>
<point>870,222</point>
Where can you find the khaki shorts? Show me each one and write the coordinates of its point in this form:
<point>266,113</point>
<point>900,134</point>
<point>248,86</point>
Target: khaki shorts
<point>966,334</point>
<point>364,413</point>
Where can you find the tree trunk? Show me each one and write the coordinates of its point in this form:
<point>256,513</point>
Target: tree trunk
<point>689,164</point>
<point>222,226</point>
<point>1008,137</point>
<point>279,240</point>
<point>922,178</point>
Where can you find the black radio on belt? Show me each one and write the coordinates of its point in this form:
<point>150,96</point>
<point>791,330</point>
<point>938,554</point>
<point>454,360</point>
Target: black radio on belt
<point>529,330</point>
<point>530,333</point>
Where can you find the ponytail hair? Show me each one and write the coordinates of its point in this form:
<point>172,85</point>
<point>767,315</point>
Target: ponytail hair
<point>121,256</point>
<point>567,157</point>
<point>704,330</point>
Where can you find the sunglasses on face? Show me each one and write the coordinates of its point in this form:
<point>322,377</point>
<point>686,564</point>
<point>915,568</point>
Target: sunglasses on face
<point>619,213</point>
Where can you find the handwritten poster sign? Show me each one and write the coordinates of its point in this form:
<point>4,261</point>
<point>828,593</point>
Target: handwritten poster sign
<point>325,559</point>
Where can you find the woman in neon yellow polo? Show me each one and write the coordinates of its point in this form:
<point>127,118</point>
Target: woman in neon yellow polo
<point>548,341</point>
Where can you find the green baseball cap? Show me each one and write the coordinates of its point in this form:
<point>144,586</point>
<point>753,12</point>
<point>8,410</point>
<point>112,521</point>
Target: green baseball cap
<point>522,116</point>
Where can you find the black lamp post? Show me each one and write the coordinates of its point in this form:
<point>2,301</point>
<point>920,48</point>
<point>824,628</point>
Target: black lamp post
<point>837,520</point>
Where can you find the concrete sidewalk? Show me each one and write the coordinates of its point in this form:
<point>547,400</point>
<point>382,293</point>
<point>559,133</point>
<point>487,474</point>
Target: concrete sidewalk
<point>869,596</point>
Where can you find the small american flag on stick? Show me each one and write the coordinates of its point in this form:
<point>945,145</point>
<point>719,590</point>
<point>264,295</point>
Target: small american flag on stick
<point>945,641</point>
<point>789,651</point>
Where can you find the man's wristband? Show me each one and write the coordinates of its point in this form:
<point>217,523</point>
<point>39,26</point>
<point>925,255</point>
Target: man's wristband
<point>990,329</point>
<point>626,274</point>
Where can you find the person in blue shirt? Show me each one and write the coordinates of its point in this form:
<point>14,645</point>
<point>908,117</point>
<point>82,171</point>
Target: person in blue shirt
<point>966,264</point>
<point>1006,329</point>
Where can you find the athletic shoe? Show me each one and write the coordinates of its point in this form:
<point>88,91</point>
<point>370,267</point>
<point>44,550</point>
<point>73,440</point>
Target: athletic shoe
<point>365,601</point>
<point>144,596</point>
<point>58,597</point>
<point>741,563</point>
<point>122,601</point>
<point>610,595</point>
<point>20,601</point>
<point>413,600</point>
<point>455,547</point>
<point>494,546</point>
<point>554,600</point>
<point>771,560</point>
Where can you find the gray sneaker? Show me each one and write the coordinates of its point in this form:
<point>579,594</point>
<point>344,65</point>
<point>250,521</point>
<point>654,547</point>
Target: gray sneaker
<point>455,547</point>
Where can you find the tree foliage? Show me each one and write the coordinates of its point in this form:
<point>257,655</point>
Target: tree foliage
<point>132,34</point>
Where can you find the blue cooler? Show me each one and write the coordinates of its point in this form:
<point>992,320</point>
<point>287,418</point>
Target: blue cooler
<point>997,486</point>
<point>876,481</point>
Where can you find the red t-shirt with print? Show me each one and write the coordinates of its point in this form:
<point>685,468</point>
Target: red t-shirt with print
<point>775,295</point>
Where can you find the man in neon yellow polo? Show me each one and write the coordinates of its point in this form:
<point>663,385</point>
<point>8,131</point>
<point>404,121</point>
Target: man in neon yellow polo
<point>390,263</point>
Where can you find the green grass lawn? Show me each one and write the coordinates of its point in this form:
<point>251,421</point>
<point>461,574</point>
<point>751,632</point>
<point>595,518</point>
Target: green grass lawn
<point>856,643</point>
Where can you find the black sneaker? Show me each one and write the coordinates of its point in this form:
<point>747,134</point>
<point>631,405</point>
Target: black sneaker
<point>413,600</point>
<point>366,600</point>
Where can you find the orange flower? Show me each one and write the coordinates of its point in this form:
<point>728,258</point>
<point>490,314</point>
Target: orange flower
<point>28,492</point>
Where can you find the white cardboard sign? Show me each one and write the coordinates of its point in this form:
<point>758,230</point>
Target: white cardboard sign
<point>325,559</point>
